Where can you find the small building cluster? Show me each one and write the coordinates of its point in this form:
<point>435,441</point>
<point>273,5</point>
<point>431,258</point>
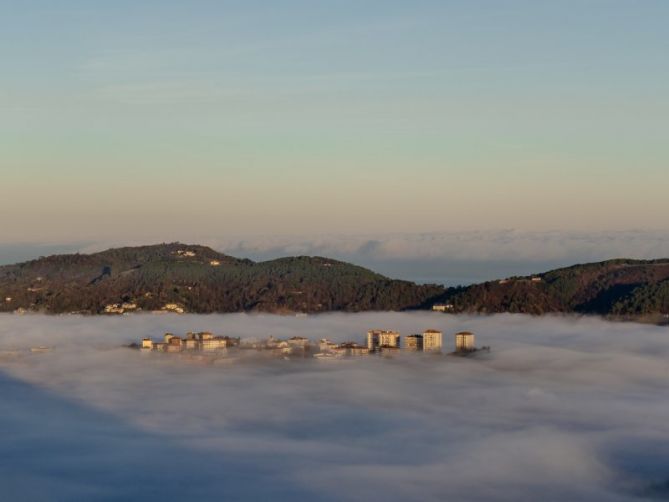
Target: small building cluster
<point>383,342</point>
<point>120,308</point>
<point>202,341</point>
<point>296,346</point>
<point>442,307</point>
<point>329,349</point>
<point>173,307</point>
<point>512,280</point>
<point>129,307</point>
<point>379,340</point>
<point>430,340</point>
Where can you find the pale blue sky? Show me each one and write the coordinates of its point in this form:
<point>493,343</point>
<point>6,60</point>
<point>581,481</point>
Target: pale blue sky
<point>174,120</point>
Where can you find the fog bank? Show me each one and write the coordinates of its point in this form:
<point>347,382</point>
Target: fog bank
<point>561,409</point>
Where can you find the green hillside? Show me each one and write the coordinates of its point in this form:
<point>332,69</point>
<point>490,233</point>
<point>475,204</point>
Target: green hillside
<point>620,287</point>
<point>199,279</point>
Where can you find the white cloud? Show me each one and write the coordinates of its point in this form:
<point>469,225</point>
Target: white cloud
<point>475,245</point>
<point>448,257</point>
<point>553,412</point>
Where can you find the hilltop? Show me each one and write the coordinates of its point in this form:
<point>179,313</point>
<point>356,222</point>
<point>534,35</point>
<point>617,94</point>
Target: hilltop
<point>621,287</point>
<point>198,279</point>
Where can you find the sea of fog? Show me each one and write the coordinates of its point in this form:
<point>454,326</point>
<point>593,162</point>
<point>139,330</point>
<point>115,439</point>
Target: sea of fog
<point>560,409</point>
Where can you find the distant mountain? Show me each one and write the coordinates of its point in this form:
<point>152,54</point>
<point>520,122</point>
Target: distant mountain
<point>626,288</point>
<point>198,279</point>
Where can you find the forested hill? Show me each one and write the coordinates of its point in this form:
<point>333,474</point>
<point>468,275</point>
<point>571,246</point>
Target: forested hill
<point>621,287</point>
<point>191,278</point>
<point>198,279</point>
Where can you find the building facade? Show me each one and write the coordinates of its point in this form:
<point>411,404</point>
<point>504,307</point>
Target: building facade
<point>389,339</point>
<point>414,342</point>
<point>377,338</point>
<point>373,339</point>
<point>465,341</point>
<point>432,340</point>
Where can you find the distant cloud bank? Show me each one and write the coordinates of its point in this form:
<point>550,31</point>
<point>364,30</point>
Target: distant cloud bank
<point>447,257</point>
<point>461,257</point>
<point>475,245</point>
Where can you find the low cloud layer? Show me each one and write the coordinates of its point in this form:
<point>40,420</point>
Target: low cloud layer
<point>474,245</point>
<point>446,257</point>
<point>561,409</point>
<point>461,257</point>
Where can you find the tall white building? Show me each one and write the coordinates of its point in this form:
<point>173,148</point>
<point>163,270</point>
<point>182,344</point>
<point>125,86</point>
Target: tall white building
<point>432,340</point>
<point>464,341</point>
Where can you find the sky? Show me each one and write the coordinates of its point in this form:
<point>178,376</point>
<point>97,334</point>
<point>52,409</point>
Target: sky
<point>562,408</point>
<point>161,120</point>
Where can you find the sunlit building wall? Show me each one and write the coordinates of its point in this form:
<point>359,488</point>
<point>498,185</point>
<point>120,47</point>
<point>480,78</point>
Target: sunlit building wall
<point>432,340</point>
<point>464,341</point>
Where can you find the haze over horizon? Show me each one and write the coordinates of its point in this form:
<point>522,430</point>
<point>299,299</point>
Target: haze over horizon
<point>449,258</point>
<point>138,120</point>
